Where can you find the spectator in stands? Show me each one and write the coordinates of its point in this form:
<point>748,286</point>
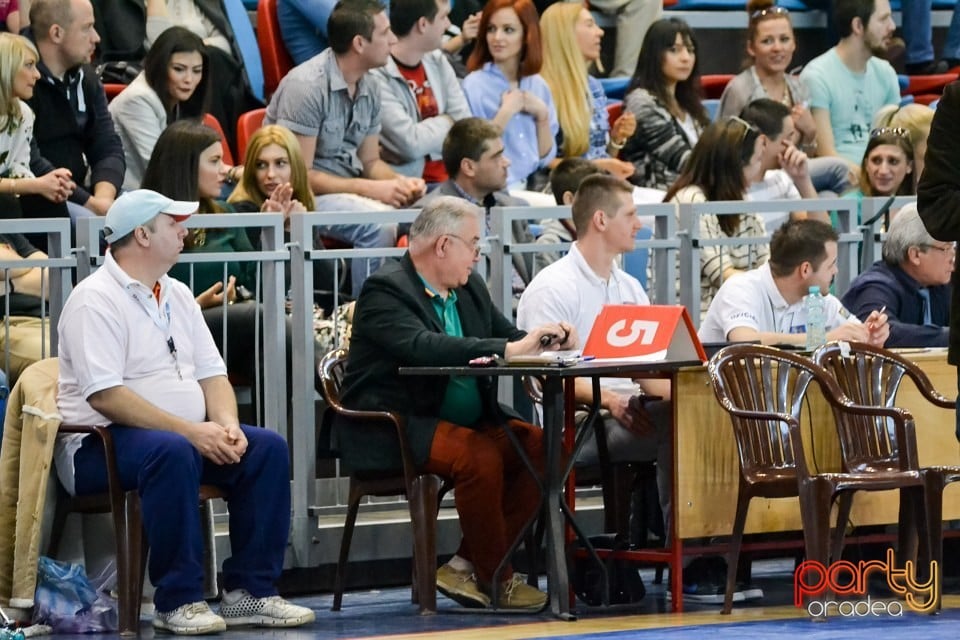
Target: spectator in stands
<point>174,84</point>
<point>420,92</point>
<point>505,86</point>
<point>916,119</point>
<point>634,18</point>
<point>664,96</point>
<point>565,177</point>
<point>73,128</point>
<point>24,337</point>
<point>462,33</point>
<point>474,157</point>
<point>10,16</point>
<point>917,29</point>
<point>131,27</point>
<point>431,307</point>
<point>912,282</point>
<point>770,48</point>
<point>784,169</point>
<point>18,76</point>
<point>849,83</point>
<point>725,161</point>
<point>187,164</point>
<point>332,104</point>
<point>571,42</point>
<point>573,290</point>
<point>885,169</point>
<point>173,415</point>
<point>303,25</point>
<point>766,303</point>
<point>274,176</point>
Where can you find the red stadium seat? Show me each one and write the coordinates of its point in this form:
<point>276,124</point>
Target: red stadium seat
<point>214,124</point>
<point>713,85</point>
<point>273,53</point>
<point>247,124</point>
<point>614,109</point>
<point>113,89</point>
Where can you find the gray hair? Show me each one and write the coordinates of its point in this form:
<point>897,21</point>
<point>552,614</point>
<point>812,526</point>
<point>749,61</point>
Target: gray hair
<point>444,214</point>
<point>906,230</point>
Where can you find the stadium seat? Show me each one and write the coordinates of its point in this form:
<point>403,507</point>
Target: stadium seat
<point>713,85</point>
<point>247,43</point>
<point>929,84</point>
<point>615,88</point>
<point>212,122</point>
<point>247,124</point>
<point>113,89</point>
<point>614,109</point>
<point>276,60</point>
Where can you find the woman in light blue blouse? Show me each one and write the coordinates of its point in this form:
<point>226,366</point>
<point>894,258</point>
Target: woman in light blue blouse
<point>504,86</point>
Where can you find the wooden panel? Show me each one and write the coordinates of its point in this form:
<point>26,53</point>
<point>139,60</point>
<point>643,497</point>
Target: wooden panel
<point>707,471</point>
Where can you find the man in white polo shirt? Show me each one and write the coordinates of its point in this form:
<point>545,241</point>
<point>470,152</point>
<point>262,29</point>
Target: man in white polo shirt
<point>136,354</point>
<point>766,303</point>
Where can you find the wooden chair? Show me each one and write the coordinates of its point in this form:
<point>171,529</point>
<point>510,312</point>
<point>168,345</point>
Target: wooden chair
<point>871,375</point>
<point>763,390</point>
<point>423,492</point>
<point>127,526</point>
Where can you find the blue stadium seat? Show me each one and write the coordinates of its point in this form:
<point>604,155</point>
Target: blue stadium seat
<point>247,42</point>
<point>731,5</point>
<point>615,87</point>
<point>635,262</point>
<point>713,107</point>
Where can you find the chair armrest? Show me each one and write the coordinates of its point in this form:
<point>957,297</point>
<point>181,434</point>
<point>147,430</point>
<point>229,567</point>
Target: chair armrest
<point>903,422</point>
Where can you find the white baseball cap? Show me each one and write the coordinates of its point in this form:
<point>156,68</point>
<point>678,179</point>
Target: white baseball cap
<point>138,207</point>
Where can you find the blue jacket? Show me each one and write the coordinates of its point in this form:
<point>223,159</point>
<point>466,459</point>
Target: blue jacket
<point>883,284</point>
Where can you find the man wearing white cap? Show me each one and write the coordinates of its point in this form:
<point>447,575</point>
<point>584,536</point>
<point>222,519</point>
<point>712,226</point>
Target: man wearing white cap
<point>135,353</point>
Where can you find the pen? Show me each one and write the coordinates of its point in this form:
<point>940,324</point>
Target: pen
<point>587,358</point>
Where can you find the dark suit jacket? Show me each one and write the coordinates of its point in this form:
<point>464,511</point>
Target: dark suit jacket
<point>938,194</point>
<point>395,325</point>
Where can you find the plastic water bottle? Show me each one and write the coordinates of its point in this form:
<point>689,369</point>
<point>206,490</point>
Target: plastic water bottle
<point>816,322</point>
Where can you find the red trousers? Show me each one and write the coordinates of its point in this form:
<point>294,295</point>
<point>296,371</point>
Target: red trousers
<point>494,492</point>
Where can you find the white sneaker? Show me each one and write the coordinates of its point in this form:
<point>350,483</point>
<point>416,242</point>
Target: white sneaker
<point>190,619</point>
<point>238,608</point>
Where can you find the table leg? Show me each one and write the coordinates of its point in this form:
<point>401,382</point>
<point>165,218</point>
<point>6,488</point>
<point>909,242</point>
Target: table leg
<point>558,580</point>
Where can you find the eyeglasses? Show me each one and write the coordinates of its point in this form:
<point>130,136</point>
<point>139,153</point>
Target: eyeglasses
<point>900,132</point>
<point>747,127</point>
<point>470,244</point>
<point>950,248</point>
<point>769,11</point>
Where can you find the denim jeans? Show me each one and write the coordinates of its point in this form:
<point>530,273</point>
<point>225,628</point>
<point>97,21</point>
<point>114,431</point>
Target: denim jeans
<point>918,32</point>
<point>829,174</point>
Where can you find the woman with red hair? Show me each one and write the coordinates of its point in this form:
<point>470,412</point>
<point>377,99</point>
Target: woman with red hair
<point>505,87</point>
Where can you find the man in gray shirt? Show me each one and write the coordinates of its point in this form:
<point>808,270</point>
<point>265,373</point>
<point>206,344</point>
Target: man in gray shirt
<point>332,105</point>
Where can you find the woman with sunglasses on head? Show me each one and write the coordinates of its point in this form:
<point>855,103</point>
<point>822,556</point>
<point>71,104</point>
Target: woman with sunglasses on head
<point>725,160</point>
<point>571,43</point>
<point>664,97</point>
<point>770,48</point>
<point>885,170</point>
<point>505,87</point>
<point>916,119</point>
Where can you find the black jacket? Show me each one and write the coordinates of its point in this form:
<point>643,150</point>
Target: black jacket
<point>74,130</point>
<point>938,194</point>
<point>396,325</point>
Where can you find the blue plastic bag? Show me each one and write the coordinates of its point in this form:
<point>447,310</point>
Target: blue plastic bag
<point>67,601</point>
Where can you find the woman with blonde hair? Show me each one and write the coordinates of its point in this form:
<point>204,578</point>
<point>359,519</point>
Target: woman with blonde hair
<point>916,119</point>
<point>18,75</point>
<point>571,43</point>
<point>274,175</point>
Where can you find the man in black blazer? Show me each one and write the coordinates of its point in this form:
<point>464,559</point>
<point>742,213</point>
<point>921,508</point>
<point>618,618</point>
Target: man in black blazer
<point>938,198</point>
<point>430,308</point>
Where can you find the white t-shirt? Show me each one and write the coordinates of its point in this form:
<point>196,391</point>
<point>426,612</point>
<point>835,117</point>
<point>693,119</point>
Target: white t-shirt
<point>113,332</point>
<point>752,300</point>
<point>570,291</point>
<point>775,185</point>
